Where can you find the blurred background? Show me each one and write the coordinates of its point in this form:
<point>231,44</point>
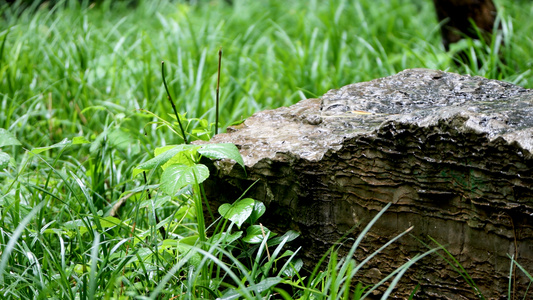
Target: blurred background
<point>74,66</point>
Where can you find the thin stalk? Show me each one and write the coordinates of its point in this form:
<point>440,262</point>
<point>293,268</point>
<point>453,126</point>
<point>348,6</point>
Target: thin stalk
<point>218,90</point>
<point>201,226</point>
<point>172,102</point>
<point>199,214</point>
<point>265,237</point>
<point>202,192</point>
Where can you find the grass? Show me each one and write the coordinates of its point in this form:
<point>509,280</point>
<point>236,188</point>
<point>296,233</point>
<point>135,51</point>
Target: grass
<point>275,53</point>
<point>77,83</point>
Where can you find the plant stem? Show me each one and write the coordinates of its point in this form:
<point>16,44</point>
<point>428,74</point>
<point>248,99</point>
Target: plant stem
<point>218,90</point>
<point>172,102</point>
<point>197,194</point>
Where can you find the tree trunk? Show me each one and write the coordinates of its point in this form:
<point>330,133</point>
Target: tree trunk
<point>458,16</point>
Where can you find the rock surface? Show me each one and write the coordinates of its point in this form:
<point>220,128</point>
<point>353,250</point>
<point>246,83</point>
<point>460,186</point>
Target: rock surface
<point>451,152</point>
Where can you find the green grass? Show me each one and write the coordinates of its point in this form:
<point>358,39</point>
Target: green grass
<point>275,53</point>
<point>89,74</point>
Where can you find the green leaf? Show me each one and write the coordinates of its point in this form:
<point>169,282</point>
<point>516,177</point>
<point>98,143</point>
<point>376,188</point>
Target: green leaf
<point>238,122</point>
<point>121,139</point>
<point>108,222</point>
<point>4,160</point>
<point>190,240</point>
<point>163,157</point>
<point>55,231</point>
<point>75,225</point>
<point>183,250</point>
<point>182,247</point>
<point>182,116</point>
<point>169,243</point>
<point>158,202</point>
<point>61,144</point>
<point>176,177</point>
<point>7,138</point>
<point>220,151</point>
<point>261,286</point>
<point>136,172</point>
<point>95,107</point>
<point>258,211</point>
<point>254,234</point>
<point>185,211</point>
<point>160,150</point>
<point>291,235</point>
<point>237,212</point>
<point>81,269</point>
<point>80,140</point>
<point>202,134</point>
<point>225,238</point>
<point>98,141</point>
<point>183,157</point>
<point>294,268</point>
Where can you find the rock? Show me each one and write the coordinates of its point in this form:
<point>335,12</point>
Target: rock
<point>452,152</point>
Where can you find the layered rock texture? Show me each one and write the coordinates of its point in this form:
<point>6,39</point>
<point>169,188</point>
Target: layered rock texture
<point>451,152</point>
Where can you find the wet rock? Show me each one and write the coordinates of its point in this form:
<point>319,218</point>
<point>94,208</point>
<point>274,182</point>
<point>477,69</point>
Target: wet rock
<point>452,152</point>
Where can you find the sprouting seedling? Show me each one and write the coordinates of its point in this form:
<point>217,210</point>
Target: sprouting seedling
<point>218,90</point>
<point>172,102</point>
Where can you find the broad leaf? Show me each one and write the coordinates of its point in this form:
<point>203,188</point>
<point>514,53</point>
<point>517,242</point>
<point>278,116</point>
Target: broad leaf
<point>163,157</point>
<point>237,212</point>
<point>254,234</point>
<point>220,151</point>
<point>184,157</point>
<point>258,211</point>
<point>7,138</point>
<point>176,177</point>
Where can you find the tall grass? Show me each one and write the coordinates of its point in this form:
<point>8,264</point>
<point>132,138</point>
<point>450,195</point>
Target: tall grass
<point>58,62</point>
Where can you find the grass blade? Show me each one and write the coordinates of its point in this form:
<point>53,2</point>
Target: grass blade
<point>6,252</point>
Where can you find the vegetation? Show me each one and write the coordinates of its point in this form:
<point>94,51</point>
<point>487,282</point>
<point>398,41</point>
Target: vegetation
<point>94,203</point>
